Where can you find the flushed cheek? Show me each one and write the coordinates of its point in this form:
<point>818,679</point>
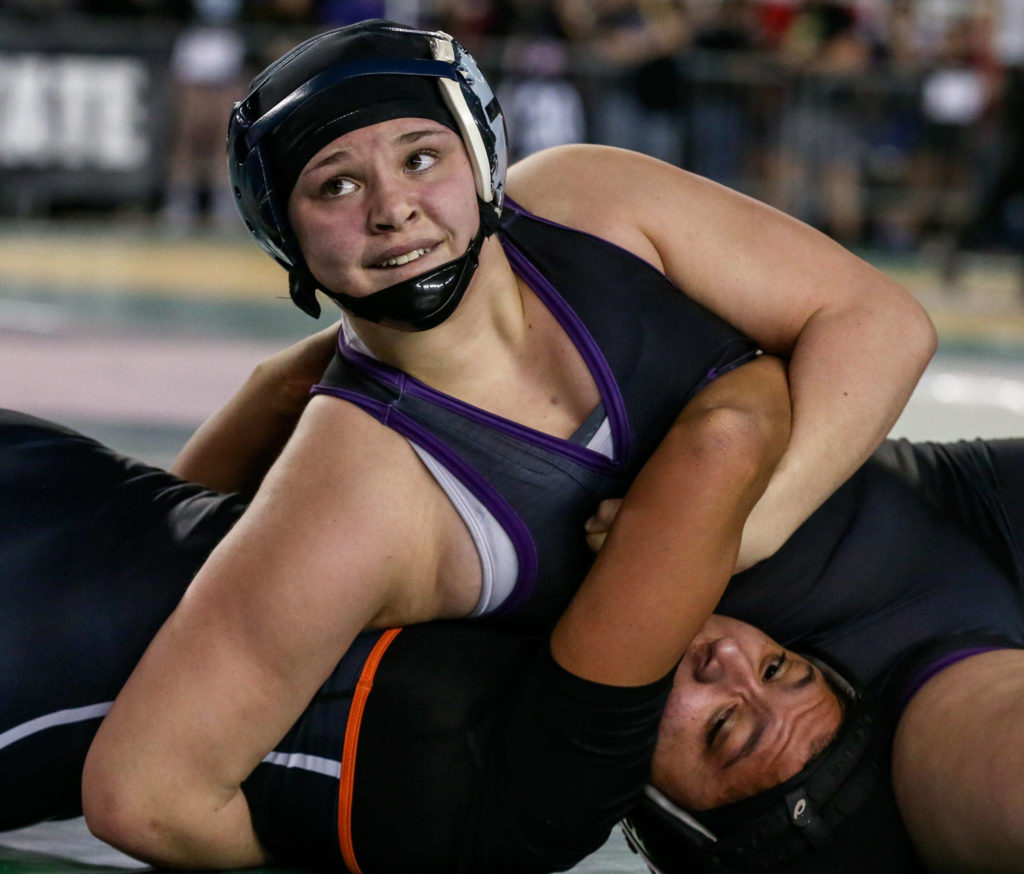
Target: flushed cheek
<point>329,250</point>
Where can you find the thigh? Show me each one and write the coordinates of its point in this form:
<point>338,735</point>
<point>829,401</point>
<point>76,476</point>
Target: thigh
<point>958,765</point>
<point>95,552</point>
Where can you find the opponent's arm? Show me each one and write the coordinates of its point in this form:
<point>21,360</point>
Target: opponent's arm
<point>673,545</point>
<point>856,341</point>
<point>233,449</point>
<point>579,730</point>
<point>310,564</point>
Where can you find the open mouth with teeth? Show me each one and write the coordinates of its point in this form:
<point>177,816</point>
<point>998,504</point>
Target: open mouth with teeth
<point>399,260</point>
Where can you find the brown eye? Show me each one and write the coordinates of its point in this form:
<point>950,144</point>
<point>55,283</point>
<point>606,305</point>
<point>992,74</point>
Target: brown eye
<point>338,186</point>
<point>774,667</point>
<point>422,160</point>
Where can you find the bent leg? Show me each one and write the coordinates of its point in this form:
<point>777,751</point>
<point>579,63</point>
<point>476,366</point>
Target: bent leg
<point>95,552</point>
<point>958,765</point>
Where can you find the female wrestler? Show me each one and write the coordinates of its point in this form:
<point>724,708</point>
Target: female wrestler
<point>591,742</point>
<point>119,541</point>
<point>433,689</point>
<point>463,395</point>
<point>910,578</point>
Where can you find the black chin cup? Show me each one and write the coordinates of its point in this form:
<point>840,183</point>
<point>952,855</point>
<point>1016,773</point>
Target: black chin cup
<point>302,288</point>
<point>423,302</point>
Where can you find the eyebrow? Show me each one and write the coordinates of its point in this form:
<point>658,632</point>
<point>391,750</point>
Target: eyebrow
<point>402,140</point>
<point>754,738</point>
<point>805,680</point>
<point>412,136</point>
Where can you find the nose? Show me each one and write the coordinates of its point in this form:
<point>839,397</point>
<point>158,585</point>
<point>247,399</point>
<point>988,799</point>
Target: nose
<point>391,205</point>
<point>723,662</point>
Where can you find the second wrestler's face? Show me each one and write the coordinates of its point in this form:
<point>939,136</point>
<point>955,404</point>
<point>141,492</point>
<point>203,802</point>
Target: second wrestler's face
<point>744,714</point>
<point>384,203</point>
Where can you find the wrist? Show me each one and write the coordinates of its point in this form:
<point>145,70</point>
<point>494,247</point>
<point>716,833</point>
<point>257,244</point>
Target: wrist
<point>278,391</point>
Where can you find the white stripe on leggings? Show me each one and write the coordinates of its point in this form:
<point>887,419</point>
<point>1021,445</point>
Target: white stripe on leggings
<point>51,720</point>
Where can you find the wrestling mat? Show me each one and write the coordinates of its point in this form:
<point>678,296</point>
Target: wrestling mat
<point>67,847</point>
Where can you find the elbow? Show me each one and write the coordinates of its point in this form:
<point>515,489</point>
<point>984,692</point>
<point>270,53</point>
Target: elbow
<point>747,413</point>
<point>911,332</point>
<point>118,813</point>
<point>918,334</point>
<point>110,816</point>
<point>744,441</point>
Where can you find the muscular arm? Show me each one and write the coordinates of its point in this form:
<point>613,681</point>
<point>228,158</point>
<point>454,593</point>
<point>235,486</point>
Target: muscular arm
<point>856,342</point>
<point>578,731</point>
<point>957,776</point>
<point>310,564</point>
<point>673,545</point>
<point>233,449</point>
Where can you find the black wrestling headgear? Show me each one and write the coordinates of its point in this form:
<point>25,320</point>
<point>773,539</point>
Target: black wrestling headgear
<point>346,79</point>
<point>837,816</point>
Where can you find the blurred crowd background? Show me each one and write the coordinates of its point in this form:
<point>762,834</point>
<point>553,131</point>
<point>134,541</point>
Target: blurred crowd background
<point>891,124</point>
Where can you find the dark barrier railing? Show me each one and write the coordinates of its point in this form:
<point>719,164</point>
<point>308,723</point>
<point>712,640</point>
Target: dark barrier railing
<point>86,109</point>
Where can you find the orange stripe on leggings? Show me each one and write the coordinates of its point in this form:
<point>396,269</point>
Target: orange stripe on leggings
<point>348,755</point>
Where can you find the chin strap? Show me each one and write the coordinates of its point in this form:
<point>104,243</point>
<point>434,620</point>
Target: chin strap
<point>416,304</point>
<point>302,288</point>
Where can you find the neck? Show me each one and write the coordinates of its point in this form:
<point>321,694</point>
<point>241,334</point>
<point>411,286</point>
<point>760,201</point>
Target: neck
<point>488,324</point>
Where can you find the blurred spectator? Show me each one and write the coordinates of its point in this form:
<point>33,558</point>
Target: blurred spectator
<point>724,95</point>
<point>776,16</point>
<point>540,100</point>
<point>471,22</point>
<point>207,74</point>
<point>955,94</point>
<point>900,35</point>
<point>638,42</point>
<point>822,145</point>
<point>541,104</point>
<point>998,217</point>
<point>892,119</point>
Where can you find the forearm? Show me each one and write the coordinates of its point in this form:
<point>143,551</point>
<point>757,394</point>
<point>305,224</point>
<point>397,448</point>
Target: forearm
<point>232,450</point>
<point>850,372</point>
<point>235,447</point>
<point>674,542</point>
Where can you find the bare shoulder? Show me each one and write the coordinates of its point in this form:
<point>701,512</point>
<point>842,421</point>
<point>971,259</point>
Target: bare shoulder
<point>337,455</point>
<point>329,510</point>
<point>597,189</point>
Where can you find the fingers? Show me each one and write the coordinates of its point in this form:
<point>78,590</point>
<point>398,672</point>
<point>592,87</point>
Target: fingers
<point>598,525</point>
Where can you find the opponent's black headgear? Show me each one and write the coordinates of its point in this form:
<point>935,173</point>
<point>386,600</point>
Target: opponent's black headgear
<point>837,816</point>
<point>337,82</point>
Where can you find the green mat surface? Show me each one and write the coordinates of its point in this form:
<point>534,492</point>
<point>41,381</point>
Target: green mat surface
<point>68,848</point>
<point>59,847</point>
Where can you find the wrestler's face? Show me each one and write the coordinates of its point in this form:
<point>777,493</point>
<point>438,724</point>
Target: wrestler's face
<point>744,714</point>
<point>384,203</point>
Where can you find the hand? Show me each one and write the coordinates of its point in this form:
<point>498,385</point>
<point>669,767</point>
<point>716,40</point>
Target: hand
<point>235,447</point>
<point>297,368</point>
<point>598,525</point>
